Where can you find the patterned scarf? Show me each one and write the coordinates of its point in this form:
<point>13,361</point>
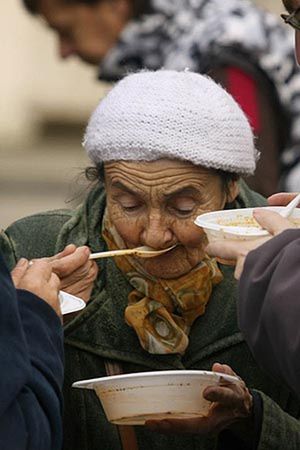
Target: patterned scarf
<point>163,311</point>
<point>197,34</point>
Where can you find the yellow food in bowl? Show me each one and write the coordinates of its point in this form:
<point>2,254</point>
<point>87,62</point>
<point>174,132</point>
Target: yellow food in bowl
<point>242,221</point>
<point>239,221</point>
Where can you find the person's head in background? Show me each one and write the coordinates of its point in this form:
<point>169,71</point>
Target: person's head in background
<point>90,28</point>
<point>293,19</point>
<point>86,28</point>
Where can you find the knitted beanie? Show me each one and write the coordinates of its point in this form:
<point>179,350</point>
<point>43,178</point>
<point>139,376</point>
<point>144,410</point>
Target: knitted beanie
<point>176,115</point>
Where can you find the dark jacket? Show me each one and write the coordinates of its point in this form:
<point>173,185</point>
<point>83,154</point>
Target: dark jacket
<point>100,333</point>
<point>269,306</point>
<point>31,360</point>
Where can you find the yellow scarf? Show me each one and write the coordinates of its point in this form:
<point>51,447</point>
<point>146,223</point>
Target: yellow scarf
<point>163,311</point>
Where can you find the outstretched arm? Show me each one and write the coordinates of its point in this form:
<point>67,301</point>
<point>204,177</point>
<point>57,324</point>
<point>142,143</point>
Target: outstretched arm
<point>269,306</point>
<point>31,358</point>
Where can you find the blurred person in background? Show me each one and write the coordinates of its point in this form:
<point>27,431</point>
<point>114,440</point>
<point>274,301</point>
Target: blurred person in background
<point>244,48</point>
<point>269,307</point>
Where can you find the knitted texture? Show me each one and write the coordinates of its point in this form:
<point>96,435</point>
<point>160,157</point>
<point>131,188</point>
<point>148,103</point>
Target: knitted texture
<point>176,115</point>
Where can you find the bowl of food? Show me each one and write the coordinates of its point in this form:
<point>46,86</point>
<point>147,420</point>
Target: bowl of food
<point>238,224</point>
<point>132,399</point>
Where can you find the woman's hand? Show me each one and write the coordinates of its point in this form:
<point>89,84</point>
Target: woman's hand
<point>238,250</point>
<point>38,279</point>
<point>231,404</point>
<point>76,271</point>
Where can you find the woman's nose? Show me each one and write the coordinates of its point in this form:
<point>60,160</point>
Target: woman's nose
<point>65,49</point>
<point>156,233</point>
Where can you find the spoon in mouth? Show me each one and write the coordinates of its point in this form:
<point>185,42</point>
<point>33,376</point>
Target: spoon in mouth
<point>141,252</point>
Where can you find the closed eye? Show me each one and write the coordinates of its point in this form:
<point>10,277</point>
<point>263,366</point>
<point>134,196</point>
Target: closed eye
<point>183,212</point>
<point>182,207</point>
<point>131,208</point>
<point>127,201</point>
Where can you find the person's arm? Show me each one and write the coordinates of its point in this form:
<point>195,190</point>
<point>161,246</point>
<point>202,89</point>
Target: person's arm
<point>31,369</point>
<point>269,306</point>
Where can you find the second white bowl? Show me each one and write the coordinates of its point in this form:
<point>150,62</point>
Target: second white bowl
<point>237,224</point>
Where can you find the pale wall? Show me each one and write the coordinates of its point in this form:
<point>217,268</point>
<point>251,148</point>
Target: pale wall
<point>273,5</point>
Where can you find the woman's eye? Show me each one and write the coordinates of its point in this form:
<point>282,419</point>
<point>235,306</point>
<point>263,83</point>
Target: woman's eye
<point>183,208</point>
<point>127,203</point>
<point>182,212</point>
<point>130,208</point>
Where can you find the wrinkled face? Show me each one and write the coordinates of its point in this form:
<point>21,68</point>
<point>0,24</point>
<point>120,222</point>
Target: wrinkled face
<point>88,31</point>
<point>155,204</point>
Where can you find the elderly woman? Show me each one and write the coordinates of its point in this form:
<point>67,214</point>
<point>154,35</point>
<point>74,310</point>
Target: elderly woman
<point>167,146</point>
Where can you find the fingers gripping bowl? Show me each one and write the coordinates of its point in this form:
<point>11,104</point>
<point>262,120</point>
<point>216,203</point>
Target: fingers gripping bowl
<point>132,399</point>
<point>238,224</point>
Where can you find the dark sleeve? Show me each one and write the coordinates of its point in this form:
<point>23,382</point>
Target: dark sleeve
<point>269,306</point>
<point>31,361</point>
<point>228,440</point>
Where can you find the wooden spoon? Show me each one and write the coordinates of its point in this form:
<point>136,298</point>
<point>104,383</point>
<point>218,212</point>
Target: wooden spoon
<point>141,252</point>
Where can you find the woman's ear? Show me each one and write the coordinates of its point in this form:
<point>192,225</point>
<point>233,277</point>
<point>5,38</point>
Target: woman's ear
<point>233,191</point>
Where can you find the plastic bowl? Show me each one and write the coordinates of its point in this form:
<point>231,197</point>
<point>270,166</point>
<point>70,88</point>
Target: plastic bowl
<point>70,303</point>
<point>134,398</point>
<point>237,224</point>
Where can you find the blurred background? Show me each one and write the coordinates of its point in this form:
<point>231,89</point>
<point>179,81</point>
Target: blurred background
<point>45,105</point>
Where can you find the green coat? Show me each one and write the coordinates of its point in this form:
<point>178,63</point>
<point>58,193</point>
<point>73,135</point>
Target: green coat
<point>100,332</point>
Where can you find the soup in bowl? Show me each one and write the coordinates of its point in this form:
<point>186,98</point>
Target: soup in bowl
<point>238,224</point>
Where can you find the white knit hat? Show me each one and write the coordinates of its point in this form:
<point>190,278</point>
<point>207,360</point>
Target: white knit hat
<point>168,114</point>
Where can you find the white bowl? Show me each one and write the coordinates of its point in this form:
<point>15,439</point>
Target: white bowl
<point>132,399</point>
<point>237,224</point>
